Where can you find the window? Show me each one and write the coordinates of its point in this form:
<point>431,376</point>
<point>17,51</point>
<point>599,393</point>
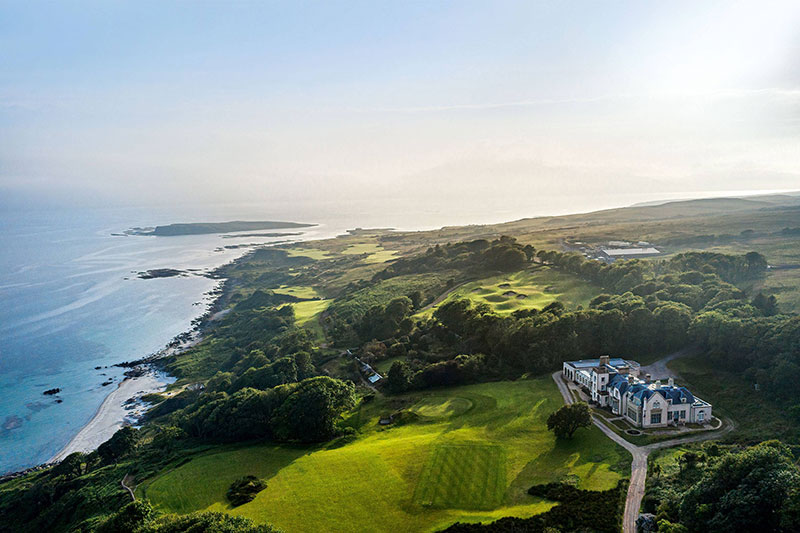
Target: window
<point>669,415</point>
<point>656,405</point>
<point>683,414</point>
<point>701,416</point>
<point>655,419</point>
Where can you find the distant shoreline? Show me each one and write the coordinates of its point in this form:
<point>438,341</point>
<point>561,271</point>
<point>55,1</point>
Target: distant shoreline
<point>207,228</point>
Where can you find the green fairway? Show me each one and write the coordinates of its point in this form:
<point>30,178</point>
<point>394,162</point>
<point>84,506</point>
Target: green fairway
<point>306,315</point>
<point>462,454</point>
<point>313,253</point>
<point>527,289</point>
<point>474,476</point>
<point>377,253</point>
<point>441,407</point>
<point>298,291</point>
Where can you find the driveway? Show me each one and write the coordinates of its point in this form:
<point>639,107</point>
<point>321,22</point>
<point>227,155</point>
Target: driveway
<point>659,370</point>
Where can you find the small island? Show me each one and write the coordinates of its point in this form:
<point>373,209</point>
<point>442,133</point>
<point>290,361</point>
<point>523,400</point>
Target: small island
<point>206,228</point>
<point>161,273</point>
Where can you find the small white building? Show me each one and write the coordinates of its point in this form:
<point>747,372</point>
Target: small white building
<point>612,254</point>
<point>615,383</point>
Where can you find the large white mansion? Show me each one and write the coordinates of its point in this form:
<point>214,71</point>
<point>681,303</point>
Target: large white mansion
<point>615,383</point>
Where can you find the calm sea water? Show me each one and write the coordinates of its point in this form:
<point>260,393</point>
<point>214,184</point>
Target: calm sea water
<point>70,299</point>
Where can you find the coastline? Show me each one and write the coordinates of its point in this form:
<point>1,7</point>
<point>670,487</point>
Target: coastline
<point>112,413</point>
<point>123,406</point>
<point>125,402</point>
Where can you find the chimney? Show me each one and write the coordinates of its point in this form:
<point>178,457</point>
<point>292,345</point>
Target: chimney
<point>671,382</point>
<point>604,359</point>
<point>624,370</point>
<point>647,378</point>
<point>658,384</point>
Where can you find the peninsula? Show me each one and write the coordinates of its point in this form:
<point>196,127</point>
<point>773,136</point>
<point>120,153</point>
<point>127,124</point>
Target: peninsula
<point>205,228</point>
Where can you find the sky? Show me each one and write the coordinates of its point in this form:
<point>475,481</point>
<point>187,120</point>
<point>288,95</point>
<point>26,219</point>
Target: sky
<point>130,103</point>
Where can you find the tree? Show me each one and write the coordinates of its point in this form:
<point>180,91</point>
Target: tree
<point>119,445</point>
<point>244,490</point>
<point>399,377</point>
<point>743,492</point>
<point>207,522</point>
<point>166,439</point>
<point>310,410</point>
<point>140,517</point>
<point>569,419</point>
<point>72,466</point>
<point>768,305</point>
<point>130,518</point>
<point>688,460</point>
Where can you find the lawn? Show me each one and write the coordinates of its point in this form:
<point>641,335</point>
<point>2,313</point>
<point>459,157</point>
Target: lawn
<point>306,315</point>
<point>376,252</point>
<point>298,291</point>
<point>462,454</point>
<point>527,289</point>
<point>313,253</point>
<point>383,366</point>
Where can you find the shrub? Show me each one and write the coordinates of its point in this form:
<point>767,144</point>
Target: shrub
<point>578,510</point>
<point>244,490</point>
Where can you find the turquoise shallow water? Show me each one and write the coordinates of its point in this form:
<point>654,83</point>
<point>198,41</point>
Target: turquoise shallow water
<point>71,302</point>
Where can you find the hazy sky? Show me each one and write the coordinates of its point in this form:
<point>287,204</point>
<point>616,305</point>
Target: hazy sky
<point>131,102</point>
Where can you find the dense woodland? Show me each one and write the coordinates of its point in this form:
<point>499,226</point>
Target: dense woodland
<point>727,489</point>
<point>258,376</point>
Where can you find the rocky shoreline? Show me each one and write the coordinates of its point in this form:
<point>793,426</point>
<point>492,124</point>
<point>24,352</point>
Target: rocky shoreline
<point>123,406</point>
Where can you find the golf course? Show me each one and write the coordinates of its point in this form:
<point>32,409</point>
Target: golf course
<point>460,454</point>
<point>532,288</point>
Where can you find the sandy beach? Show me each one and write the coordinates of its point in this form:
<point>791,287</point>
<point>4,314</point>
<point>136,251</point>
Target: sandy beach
<point>111,413</point>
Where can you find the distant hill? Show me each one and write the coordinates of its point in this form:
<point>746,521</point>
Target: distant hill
<point>204,228</point>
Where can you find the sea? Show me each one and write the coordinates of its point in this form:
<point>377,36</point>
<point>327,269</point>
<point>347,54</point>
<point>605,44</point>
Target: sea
<point>72,304</point>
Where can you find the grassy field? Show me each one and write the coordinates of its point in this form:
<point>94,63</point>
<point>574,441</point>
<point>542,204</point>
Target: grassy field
<point>527,289</point>
<point>298,291</point>
<point>464,454</point>
<point>313,253</point>
<point>376,252</point>
<point>306,315</point>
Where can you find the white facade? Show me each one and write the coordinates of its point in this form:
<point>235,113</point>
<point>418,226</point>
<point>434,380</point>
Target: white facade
<point>615,383</point>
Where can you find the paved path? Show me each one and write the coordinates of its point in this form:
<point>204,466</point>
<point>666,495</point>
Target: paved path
<point>126,487</point>
<point>659,370</point>
<point>633,501</point>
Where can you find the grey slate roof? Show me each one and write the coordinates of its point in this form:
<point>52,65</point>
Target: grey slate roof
<point>672,394</point>
<point>590,363</point>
